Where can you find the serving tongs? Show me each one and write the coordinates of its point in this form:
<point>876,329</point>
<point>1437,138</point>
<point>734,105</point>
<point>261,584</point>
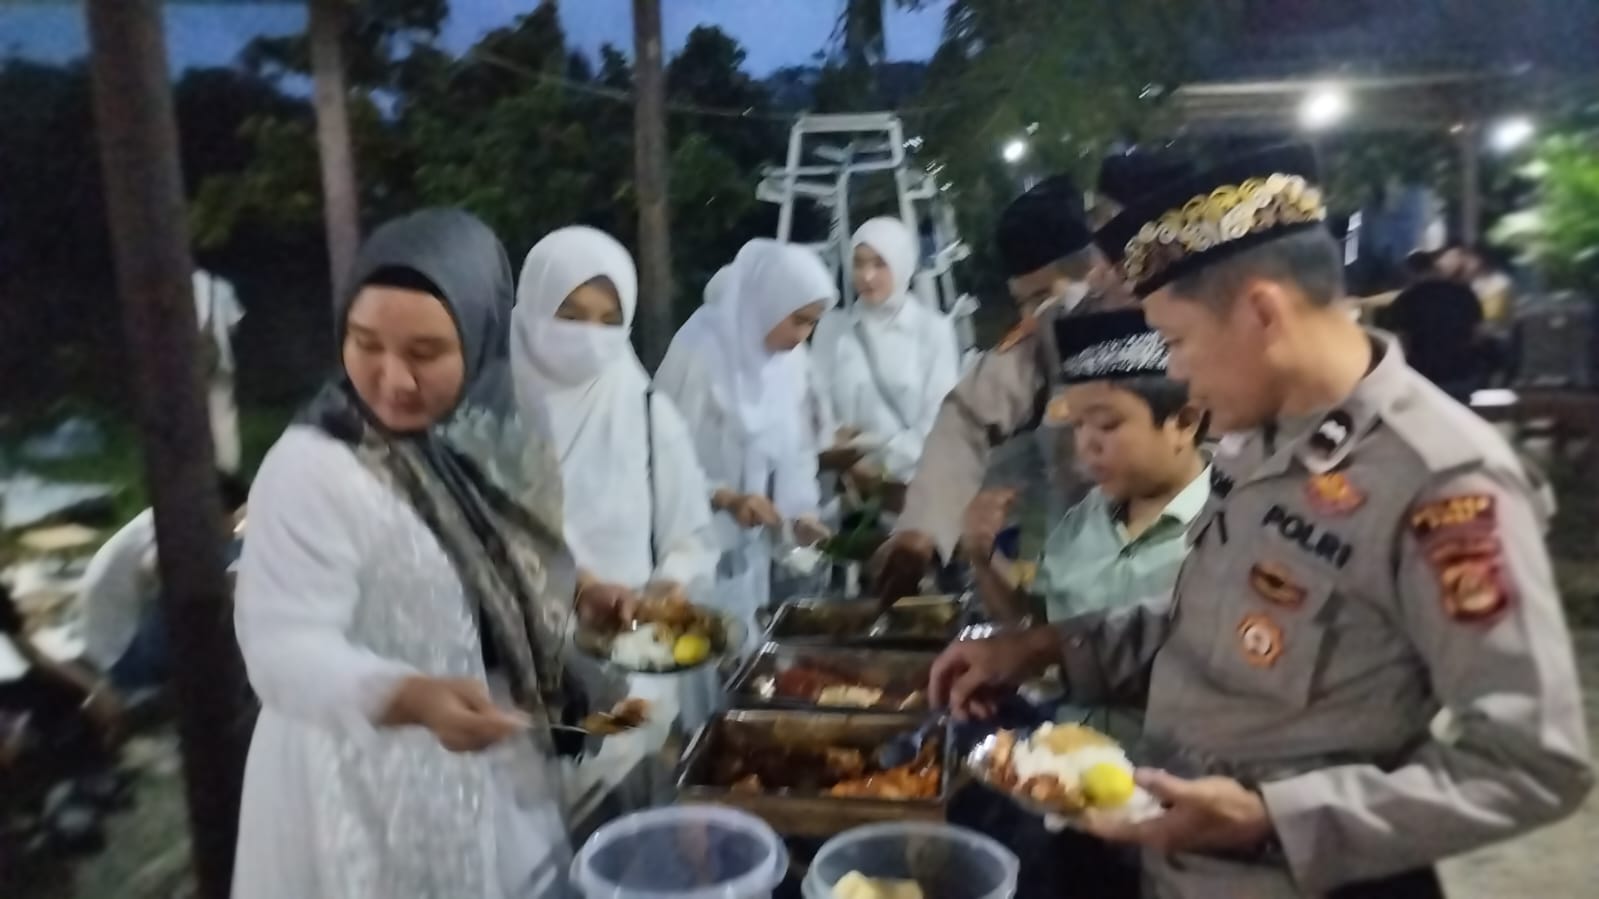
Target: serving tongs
<point>904,747</point>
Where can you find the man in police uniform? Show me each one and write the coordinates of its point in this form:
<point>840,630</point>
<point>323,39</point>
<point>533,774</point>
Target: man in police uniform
<point>1370,556</point>
<point>1045,242</point>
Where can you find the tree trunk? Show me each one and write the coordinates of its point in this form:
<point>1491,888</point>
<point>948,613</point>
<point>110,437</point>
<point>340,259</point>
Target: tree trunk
<point>341,202</point>
<point>649,158</point>
<point>138,141</point>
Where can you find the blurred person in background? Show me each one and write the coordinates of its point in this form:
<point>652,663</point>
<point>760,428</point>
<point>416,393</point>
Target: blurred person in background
<point>217,312</point>
<point>124,632</point>
<point>1439,322</point>
<point>886,363</point>
<point>731,374</point>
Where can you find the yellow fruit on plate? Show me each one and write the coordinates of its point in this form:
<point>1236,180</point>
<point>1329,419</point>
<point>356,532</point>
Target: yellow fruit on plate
<point>691,649</point>
<point>1108,785</point>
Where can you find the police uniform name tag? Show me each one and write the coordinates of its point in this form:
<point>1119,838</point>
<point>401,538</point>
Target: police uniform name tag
<point>1312,537</point>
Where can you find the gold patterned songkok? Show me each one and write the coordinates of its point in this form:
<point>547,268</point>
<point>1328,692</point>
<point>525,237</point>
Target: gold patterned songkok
<point>1193,222</point>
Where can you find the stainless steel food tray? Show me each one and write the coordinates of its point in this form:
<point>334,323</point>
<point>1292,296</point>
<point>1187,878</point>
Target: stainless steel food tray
<point>897,672</point>
<point>918,622</point>
<point>809,814</point>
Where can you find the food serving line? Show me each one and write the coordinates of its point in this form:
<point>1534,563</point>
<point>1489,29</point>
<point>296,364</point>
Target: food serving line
<point>837,691</point>
<point>826,775</point>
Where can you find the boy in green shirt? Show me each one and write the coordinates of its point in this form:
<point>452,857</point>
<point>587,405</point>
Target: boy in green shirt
<point>1139,440</point>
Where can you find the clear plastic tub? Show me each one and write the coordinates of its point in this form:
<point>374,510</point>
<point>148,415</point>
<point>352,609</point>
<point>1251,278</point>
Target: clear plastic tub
<point>681,852</point>
<point>946,862</point>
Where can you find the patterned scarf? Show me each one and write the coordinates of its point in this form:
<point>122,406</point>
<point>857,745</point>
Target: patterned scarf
<point>488,492</point>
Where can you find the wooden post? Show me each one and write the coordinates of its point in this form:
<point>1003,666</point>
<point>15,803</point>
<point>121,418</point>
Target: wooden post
<point>650,166</point>
<point>341,200</point>
<point>138,141</point>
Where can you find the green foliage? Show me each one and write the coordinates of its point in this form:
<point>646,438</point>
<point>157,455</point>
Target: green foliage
<point>1073,77</point>
<point>280,189</point>
<point>1561,232</point>
<point>526,135</point>
<point>378,36</point>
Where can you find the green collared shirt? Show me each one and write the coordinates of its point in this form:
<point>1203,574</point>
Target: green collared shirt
<point>1090,563</point>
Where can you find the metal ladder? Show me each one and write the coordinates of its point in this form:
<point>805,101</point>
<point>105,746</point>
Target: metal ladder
<point>864,144</point>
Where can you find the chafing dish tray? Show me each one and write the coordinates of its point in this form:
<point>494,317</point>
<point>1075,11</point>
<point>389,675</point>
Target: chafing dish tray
<point>917,622</point>
<point>788,747</point>
<point>851,678</point>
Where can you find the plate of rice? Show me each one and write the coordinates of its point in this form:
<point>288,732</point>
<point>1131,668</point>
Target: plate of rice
<point>667,635</point>
<point>1062,770</point>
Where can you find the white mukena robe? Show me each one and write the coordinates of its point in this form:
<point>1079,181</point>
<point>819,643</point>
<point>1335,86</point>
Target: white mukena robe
<point>342,593</point>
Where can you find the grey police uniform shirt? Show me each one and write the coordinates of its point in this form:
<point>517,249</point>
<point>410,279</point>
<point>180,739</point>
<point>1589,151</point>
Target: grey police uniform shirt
<point>1004,395</point>
<point>1352,575</point>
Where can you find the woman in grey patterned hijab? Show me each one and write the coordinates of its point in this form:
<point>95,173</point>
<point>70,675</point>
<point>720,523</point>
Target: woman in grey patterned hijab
<point>403,599</point>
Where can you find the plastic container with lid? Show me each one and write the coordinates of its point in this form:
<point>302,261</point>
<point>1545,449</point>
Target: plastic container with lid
<point>946,862</point>
<point>681,852</point>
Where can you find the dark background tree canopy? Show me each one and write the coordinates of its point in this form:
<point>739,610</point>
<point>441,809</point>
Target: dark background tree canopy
<point>531,135</point>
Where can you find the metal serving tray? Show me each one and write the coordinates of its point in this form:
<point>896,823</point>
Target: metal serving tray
<point>808,814</point>
<point>918,622</point>
<point>899,673</point>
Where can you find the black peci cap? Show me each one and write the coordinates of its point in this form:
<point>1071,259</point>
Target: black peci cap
<point>1109,346</point>
<point>1187,224</point>
<point>1042,226</point>
<point>1125,177</point>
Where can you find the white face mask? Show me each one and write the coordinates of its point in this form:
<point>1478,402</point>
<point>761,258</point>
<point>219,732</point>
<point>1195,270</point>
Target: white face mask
<point>574,353</point>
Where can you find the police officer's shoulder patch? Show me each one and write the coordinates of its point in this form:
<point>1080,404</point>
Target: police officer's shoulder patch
<point>1459,537</point>
<point>1472,510</point>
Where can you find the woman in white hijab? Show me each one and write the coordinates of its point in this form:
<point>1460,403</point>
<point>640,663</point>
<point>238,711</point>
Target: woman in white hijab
<point>577,374</point>
<point>886,364</point>
<point>731,377</point>
<point>635,508</point>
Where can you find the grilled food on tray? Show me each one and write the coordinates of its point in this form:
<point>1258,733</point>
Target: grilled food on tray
<point>809,682</point>
<point>840,771</point>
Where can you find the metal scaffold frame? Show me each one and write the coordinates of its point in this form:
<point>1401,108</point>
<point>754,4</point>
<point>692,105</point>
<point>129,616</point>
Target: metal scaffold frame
<point>823,172</point>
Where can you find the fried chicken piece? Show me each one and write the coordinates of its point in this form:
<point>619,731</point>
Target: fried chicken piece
<point>624,716</point>
<point>898,783</point>
<point>1004,748</point>
<point>632,712</point>
<point>672,611</point>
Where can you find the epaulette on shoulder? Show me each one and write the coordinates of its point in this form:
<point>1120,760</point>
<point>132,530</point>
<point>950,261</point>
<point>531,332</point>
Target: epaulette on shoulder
<point>1444,435</point>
